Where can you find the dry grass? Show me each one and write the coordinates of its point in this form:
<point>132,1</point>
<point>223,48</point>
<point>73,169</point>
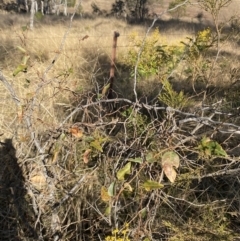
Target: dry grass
<point>86,56</point>
<point>42,45</point>
<point>87,47</point>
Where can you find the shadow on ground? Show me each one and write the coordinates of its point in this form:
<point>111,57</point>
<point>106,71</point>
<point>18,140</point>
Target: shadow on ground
<point>15,218</point>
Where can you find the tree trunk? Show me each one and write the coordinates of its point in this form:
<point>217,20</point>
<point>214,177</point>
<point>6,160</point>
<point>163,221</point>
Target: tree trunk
<point>32,12</point>
<point>42,7</point>
<point>65,8</point>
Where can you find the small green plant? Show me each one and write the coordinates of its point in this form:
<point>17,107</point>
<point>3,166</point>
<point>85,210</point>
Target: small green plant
<point>171,98</point>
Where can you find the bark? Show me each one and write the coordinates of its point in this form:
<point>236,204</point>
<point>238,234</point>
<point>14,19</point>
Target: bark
<point>32,12</point>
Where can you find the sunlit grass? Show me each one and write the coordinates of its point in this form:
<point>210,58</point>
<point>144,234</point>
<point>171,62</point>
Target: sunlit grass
<point>87,45</point>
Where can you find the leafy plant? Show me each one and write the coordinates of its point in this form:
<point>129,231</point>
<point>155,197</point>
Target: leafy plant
<point>156,58</point>
<point>66,193</point>
<point>198,46</point>
<point>171,98</point>
<point>208,148</point>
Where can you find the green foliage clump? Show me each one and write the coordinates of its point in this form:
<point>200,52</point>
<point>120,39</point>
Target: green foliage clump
<point>171,98</point>
<point>156,59</point>
<point>210,148</point>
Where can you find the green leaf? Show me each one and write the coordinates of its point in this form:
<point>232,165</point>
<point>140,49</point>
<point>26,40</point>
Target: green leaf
<point>70,70</point>
<point>128,186</point>
<point>20,68</point>
<point>170,158</point>
<point>150,157</point>
<point>151,185</point>
<point>143,212</point>
<point>96,144</point>
<point>25,59</point>
<point>108,210</point>
<point>137,160</point>
<point>125,170</point>
<point>218,151</point>
<point>105,89</point>
<point>111,189</point>
<point>209,148</point>
<point>89,139</point>
<point>99,96</point>
<point>146,239</point>
<point>21,49</point>
<point>38,16</point>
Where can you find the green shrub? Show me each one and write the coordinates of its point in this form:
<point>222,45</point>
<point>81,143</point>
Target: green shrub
<point>156,59</point>
<point>171,98</point>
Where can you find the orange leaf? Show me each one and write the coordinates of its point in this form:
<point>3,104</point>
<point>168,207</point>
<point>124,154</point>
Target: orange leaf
<point>76,132</point>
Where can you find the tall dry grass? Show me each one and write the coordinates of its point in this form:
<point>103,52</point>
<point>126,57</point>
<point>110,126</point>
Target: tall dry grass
<point>84,58</point>
<point>87,46</point>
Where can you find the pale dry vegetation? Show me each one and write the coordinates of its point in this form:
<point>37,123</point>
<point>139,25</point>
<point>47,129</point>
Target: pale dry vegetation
<point>156,161</point>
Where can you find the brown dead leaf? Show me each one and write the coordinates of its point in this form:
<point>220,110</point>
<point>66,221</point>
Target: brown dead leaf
<point>55,157</point>
<point>38,181</point>
<point>169,172</point>
<point>171,158</point>
<point>86,156</point>
<point>20,113</point>
<point>104,194</point>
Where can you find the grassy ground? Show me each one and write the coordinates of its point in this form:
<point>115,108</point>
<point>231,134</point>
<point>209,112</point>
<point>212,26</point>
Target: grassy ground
<point>87,46</point>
